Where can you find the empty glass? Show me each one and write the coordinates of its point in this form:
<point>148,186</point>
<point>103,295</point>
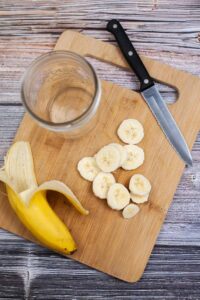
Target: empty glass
<point>61,91</point>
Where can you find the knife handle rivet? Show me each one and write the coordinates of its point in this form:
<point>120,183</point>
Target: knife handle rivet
<point>146,81</point>
<point>130,53</point>
<point>115,26</point>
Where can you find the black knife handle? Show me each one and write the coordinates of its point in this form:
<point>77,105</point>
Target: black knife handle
<point>130,54</point>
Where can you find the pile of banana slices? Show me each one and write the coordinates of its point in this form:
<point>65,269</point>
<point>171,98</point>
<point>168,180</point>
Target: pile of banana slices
<point>98,169</point>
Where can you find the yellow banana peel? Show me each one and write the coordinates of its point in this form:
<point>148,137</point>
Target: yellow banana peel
<point>29,201</point>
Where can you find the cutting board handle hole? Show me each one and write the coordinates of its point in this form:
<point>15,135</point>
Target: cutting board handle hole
<point>126,78</point>
<point>118,75</point>
<point>170,94</point>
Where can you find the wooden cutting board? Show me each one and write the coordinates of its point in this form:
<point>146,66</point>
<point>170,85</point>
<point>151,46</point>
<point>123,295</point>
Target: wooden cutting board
<point>105,240</point>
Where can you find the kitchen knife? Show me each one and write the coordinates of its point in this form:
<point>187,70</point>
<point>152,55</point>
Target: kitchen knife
<point>150,93</point>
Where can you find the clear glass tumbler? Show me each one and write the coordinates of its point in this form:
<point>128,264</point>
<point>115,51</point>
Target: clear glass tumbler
<point>61,92</point>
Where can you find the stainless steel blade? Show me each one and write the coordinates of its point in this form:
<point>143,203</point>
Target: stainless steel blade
<point>164,118</point>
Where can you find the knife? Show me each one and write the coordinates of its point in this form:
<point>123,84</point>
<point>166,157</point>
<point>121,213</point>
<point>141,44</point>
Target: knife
<point>150,93</point>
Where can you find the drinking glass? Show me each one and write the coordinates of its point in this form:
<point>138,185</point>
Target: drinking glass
<point>61,92</point>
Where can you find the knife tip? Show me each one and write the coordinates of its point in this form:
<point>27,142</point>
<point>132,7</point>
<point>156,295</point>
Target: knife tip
<point>189,161</point>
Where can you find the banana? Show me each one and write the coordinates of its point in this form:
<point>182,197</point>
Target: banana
<point>88,168</point>
<point>135,157</point>
<point>102,183</point>
<point>29,201</point>
<point>122,151</point>
<point>130,211</point>
<point>118,196</point>
<point>108,159</point>
<point>131,131</point>
<point>139,185</point>
<point>139,199</point>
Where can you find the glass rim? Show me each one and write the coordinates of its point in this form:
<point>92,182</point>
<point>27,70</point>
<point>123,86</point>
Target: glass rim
<point>78,121</point>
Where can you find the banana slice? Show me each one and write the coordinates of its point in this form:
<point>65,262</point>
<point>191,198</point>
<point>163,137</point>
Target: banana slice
<point>102,183</point>
<point>139,199</point>
<point>131,131</point>
<point>118,196</point>
<point>122,151</point>
<point>139,185</point>
<point>130,211</point>
<point>135,157</point>
<point>88,168</point>
<point>108,159</point>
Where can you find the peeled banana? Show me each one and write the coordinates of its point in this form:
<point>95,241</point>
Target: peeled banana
<point>29,201</point>
<point>122,151</point>
<point>88,168</point>
<point>135,157</point>
<point>139,185</point>
<point>118,196</point>
<point>131,131</point>
<point>108,158</point>
<point>130,211</point>
<point>139,199</point>
<point>102,183</point>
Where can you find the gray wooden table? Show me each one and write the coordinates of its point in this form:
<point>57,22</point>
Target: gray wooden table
<point>168,31</point>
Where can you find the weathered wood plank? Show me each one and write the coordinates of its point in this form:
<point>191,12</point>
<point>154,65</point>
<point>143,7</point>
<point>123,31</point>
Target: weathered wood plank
<point>174,27</point>
<point>168,32</point>
<point>42,274</point>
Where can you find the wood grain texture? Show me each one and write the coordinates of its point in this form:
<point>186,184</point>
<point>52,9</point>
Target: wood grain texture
<point>105,240</point>
<point>169,33</point>
<point>40,274</point>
